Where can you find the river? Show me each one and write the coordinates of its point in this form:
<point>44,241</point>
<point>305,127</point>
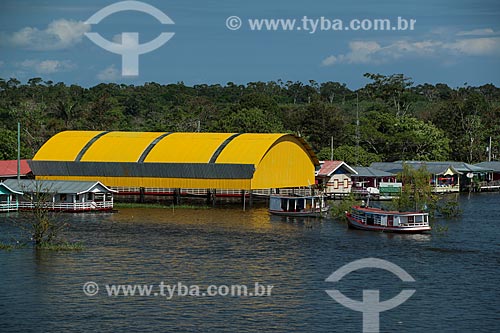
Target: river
<point>456,272</point>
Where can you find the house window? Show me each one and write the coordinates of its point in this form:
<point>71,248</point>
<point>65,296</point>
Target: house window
<point>89,196</point>
<point>63,197</point>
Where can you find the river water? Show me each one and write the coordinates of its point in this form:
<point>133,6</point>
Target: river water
<point>456,273</point>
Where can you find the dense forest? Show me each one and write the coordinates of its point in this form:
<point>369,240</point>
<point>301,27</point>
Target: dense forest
<point>398,120</point>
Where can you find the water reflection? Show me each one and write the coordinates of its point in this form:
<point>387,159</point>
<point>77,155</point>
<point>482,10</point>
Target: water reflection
<point>455,272</point>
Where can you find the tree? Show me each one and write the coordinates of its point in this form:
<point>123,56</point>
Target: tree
<point>402,138</point>
<point>334,91</point>
<point>417,193</point>
<point>352,155</point>
<point>392,89</point>
<point>250,121</point>
<point>42,225</point>
<point>8,145</point>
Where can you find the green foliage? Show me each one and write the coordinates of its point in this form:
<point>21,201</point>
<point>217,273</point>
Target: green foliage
<point>352,155</point>
<point>251,121</point>
<point>403,138</point>
<point>42,226</point>
<point>417,193</point>
<point>10,247</point>
<point>8,145</point>
<point>449,207</point>
<point>398,121</point>
<point>338,208</point>
<point>60,246</point>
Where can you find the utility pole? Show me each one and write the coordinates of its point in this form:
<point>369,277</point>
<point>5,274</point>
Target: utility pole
<point>331,149</point>
<point>18,151</point>
<point>489,151</point>
<point>357,129</point>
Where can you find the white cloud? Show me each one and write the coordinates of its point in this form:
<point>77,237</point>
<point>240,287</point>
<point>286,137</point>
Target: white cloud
<point>476,32</point>
<point>59,34</point>
<point>110,73</point>
<point>47,66</point>
<point>371,52</point>
<point>475,46</point>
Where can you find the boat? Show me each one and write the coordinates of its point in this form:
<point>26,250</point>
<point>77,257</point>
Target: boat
<point>376,219</point>
<point>289,205</point>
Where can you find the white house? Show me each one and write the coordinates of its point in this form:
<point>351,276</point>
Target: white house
<point>62,195</point>
<point>335,177</point>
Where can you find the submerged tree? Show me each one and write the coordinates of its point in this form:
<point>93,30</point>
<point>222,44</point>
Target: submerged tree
<point>43,226</point>
<point>417,193</point>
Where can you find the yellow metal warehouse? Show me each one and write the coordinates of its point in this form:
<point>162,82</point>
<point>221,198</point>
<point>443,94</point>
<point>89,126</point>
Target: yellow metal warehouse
<point>178,160</point>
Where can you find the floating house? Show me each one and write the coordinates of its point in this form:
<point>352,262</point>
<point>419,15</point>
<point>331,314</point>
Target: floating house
<point>472,175</point>
<point>368,178</point>
<point>164,162</point>
<point>8,198</point>
<point>492,180</point>
<point>72,196</point>
<point>445,178</point>
<point>335,177</point>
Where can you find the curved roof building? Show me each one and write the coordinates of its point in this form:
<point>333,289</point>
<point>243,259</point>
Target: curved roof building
<point>178,160</point>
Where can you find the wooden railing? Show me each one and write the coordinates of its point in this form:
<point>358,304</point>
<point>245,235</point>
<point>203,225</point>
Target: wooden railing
<point>67,206</point>
<point>445,188</point>
<point>6,206</point>
<point>202,192</point>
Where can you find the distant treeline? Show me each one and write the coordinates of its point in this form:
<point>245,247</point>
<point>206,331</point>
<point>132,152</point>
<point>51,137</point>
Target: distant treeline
<point>397,119</point>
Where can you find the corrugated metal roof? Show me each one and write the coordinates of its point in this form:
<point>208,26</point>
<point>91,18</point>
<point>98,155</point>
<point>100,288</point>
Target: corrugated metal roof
<point>54,186</point>
<point>65,146</point>
<point>435,168</point>
<point>153,170</point>
<point>466,167</point>
<point>329,167</point>
<point>9,168</point>
<point>273,160</point>
<point>493,165</point>
<point>246,148</point>
<point>372,172</point>
<point>2,184</point>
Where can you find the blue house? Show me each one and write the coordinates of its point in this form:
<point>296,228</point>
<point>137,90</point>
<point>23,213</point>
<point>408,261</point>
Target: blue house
<point>8,198</point>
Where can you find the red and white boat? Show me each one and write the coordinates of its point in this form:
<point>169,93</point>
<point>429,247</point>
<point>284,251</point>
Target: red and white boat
<point>375,219</point>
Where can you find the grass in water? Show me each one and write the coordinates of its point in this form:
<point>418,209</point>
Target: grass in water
<point>60,246</point>
<point>9,247</point>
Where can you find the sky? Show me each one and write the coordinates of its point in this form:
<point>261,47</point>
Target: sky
<point>454,42</point>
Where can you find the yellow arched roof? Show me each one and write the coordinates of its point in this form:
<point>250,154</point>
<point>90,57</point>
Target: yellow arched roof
<point>159,159</point>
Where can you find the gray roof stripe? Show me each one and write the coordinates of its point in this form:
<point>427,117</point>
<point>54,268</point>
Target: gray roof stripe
<point>153,170</point>
<point>146,151</point>
<point>88,145</point>
<point>223,145</point>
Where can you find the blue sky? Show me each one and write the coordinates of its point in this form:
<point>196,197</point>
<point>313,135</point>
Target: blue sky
<point>453,42</point>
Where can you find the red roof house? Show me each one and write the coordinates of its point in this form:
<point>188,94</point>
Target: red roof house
<point>8,169</point>
<point>335,176</point>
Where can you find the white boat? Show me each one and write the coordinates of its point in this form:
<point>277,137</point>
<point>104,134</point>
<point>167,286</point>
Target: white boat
<point>308,206</point>
<point>375,219</point>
